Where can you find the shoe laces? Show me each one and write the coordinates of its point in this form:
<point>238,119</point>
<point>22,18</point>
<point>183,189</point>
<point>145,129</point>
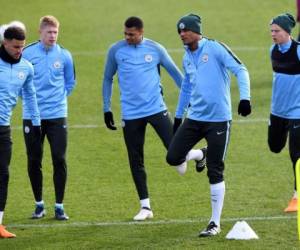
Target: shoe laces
<point>59,211</point>
<point>38,209</point>
<point>211,226</point>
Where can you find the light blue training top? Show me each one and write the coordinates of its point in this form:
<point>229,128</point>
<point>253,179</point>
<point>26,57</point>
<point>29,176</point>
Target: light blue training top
<point>206,85</point>
<point>15,78</point>
<point>138,77</point>
<point>54,79</point>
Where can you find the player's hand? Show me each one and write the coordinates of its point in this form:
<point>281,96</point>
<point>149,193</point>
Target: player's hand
<point>244,108</point>
<point>176,125</point>
<point>109,120</point>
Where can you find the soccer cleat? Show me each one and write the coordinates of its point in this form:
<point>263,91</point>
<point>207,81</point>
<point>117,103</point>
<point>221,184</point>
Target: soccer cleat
<point>144,213</point>
<point>39,212</point>
<point>181,169</point>
<point>201,164</point>
<point>292,206</point>
<point>5,234</point>
<point>60,214</point>
<point>211,230</point>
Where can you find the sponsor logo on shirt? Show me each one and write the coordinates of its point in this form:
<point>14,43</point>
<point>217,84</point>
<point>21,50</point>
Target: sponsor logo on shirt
<point>57,64</point>
<point>205,58</point>
<point>21,75</point>
<point>148,58</point>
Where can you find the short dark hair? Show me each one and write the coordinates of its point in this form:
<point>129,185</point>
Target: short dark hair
<point>14,32</point>
<point>134,22</point>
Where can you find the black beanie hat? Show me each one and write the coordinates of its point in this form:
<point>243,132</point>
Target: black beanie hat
<point>285,21</point>
<point>190,22</point>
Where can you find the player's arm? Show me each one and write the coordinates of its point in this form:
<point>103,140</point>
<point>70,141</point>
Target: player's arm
<point>184,97</point>
<point>238,69</point>
<point>69,73</point>
<point>183,101</point>
<point>109,72</point>
<point>168,63</point>
<point>29,94</point>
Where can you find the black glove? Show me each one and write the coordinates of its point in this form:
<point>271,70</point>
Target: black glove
<point>37,132</point>
<point>109,120</point>
<point>176,125</point>
<point>244,108</point>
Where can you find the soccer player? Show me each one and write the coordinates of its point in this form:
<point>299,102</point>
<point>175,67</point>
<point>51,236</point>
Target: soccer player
<point>205,91</point>
<point>138,60</point>
<point>285,106</point>
<point>16,75</point>
<point>54,80</point>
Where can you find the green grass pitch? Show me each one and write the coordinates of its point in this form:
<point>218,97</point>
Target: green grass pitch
<point>100,196</point>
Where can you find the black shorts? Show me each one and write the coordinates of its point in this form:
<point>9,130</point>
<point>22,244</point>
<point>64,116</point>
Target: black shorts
<point>190,133</point>
<point>278,131</point>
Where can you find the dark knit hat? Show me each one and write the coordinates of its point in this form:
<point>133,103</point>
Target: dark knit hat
<point>190,22</point>
<point>286,21</point>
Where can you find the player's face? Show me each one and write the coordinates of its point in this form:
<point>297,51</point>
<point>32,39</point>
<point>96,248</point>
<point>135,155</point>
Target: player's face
<point>279,35</point>
<point>48,35</point>
<point>189,38</point>
<point>14,47</point>
<point>133,35</point>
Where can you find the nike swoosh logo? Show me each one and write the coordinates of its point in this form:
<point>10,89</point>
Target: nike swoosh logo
<point>220,132</point>
<point>165,114</point>
<point>296,126</point>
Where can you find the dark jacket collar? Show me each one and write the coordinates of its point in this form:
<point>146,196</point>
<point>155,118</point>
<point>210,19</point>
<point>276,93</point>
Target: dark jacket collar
<point>6,57</point>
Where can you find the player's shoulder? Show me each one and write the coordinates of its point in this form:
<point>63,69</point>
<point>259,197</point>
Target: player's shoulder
<point>272,47</point>
<point>62,52</point>
<point>31,46</point>
<point>62,49</point>
<point>218,46</point>
<point>118,44</point>
<point>154,45</point>
<point>216,43</point>
<point>24,63</point>
<point>113,48</point>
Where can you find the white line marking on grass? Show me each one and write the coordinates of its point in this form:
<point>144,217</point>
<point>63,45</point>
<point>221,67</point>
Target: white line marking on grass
<point>159,222</point>
<point>83,126</point>
<point>258,120</point>
<point>86,126</point>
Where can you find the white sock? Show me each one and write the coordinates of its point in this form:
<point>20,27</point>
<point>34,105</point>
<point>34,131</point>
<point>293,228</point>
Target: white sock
<point>295,196</point>
<point>217,193</point>
<point>59,205</point>
<point>39,203</point>
<point>1,216</point>
<point>194,154</point>
<point>145,203</point>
